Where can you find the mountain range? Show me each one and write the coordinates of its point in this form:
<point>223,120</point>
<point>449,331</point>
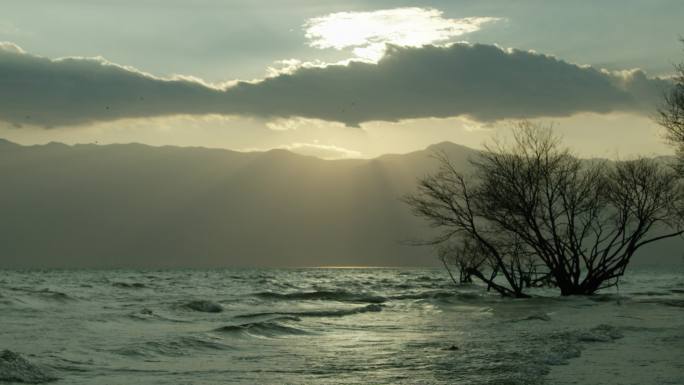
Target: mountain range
<point>132,205</point>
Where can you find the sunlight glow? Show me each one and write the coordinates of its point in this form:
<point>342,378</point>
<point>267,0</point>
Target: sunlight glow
<point>367,33</point>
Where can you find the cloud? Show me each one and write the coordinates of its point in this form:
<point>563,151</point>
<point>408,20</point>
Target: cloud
<point>69,91</point>
<point>368,33</point>
<point>291,124</point>
<point>10,47</point>
<point>481,82</point>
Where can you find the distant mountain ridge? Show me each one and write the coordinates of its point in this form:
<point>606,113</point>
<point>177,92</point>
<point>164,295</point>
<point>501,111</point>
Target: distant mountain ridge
<point>133,205</point>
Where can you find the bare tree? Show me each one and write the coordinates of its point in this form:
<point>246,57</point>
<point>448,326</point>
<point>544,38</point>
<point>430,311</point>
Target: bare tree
<point>671,115</point>
<point>462,256</point>
<point>533,204</point>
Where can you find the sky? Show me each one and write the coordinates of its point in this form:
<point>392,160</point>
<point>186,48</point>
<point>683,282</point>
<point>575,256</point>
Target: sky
<point>336,79</point>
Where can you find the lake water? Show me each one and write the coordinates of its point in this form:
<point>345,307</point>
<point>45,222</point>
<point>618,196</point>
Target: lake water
<point>326,326</point>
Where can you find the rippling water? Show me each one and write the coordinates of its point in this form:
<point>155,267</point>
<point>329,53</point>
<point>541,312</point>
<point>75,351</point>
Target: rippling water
<point>312,326</point>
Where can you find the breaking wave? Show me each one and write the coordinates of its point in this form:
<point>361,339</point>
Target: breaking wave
<point>146,314</point>
<point>46,294</point>
<point>204,306</point>
<point>323,295</point>
<point>318,313</point>
<point>270,328</point>
<point>182,346</point>
<point>564,346</point>
<point>535,317</point>
<point>127,285</point>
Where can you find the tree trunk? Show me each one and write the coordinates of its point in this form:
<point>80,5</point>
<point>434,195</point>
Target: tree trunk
<point>514,292</point>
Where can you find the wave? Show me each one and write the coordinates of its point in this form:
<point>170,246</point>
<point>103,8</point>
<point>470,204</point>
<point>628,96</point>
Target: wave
<point>148,315</point>
<point>4,300</point>
<point>650,293</point>
<point>427,278</point>
<point>55,295</point>
<point>204,306</point>
<point>47,294</point>
<point>15,368</point>
<point>600,333</point>
<point>318,313</point>
<point>567,345</point>
<point>560,353</point>
<point>182,346</point>
<point>424,295</point>
<point>270,328</point>
<point>674,302</point>
<point>323,295</point>
<point>608,297</point>
<point>126,285</point>
<point>43,295</point>
<point>534,317</point>
<point>438,295</point>
<point>666,301</point>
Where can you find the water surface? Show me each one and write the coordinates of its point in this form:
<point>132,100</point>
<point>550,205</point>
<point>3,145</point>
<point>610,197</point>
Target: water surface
<point>319,326</point>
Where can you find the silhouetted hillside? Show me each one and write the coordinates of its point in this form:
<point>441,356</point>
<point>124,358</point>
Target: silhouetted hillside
<point>140,206</point>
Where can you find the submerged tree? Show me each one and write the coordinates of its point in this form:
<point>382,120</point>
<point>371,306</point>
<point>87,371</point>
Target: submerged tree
<point>462,257</point>
<point>472,260</point>
<point>539,215</point>
<point>671,115</point>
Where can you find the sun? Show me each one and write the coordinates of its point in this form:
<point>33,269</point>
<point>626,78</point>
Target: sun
<point>368,33</point>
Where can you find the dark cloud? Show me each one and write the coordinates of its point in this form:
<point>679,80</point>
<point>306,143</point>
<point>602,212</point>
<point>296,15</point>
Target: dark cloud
<point>480,81</point>
<point>36,90</point>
